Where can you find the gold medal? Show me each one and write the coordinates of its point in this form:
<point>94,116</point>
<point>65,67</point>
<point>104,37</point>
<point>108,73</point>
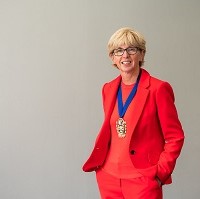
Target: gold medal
<point>121,128</point>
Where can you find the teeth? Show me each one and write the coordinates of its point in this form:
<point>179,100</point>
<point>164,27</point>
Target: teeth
<point>126,62</point>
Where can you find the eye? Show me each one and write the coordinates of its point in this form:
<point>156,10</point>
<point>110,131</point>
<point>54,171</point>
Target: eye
<point>132,50</point>
<point>119,51</point>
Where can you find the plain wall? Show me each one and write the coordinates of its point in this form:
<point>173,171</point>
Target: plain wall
<point>53,63</point>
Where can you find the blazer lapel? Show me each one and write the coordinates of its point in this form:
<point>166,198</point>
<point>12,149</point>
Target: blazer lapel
<point>112,96</point>
<point>140,98</point>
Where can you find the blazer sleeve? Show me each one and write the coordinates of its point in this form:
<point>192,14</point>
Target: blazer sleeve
<point>103,96</point>
<point>172,131</point>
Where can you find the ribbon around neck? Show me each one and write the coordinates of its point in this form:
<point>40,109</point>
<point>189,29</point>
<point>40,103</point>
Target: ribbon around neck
<point>123,108</point>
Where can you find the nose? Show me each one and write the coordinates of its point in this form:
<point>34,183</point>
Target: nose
<point>125,54</point>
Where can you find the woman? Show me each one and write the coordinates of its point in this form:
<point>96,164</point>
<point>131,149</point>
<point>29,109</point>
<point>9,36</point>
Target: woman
<point>141,137</point>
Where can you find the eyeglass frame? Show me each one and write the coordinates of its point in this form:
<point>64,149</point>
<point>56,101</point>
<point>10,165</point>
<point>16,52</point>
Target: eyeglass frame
<point>137,49</point>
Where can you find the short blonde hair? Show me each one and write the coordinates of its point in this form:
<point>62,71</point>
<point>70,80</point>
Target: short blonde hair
<point>126,36</point>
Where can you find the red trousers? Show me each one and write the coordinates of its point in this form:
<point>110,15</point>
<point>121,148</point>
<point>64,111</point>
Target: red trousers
<point>143,187</point>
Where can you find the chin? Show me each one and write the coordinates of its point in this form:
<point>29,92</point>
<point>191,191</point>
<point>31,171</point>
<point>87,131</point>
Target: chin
<point>127,69</point>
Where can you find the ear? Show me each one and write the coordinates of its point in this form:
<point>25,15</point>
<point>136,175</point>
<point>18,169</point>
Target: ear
<point>111,57</point>
<point>142,55</point>
<point>143,52</point>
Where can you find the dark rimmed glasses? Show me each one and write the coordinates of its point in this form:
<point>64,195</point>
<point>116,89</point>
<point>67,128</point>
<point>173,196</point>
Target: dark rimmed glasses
<point>129,50</point>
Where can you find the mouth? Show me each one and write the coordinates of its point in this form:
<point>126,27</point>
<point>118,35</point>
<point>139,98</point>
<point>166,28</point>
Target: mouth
<point>126,62</point>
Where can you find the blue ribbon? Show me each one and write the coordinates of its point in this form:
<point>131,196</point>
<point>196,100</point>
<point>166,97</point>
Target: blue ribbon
<point>122,108</point>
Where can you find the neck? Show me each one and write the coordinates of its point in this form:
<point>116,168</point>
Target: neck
<point>130,78</point>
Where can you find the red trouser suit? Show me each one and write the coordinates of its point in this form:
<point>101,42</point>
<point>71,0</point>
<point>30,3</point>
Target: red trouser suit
<point>157,135</point>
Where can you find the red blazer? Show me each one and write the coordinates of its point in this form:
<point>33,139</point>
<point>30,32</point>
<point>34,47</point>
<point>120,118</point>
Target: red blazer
<point>157,135</point>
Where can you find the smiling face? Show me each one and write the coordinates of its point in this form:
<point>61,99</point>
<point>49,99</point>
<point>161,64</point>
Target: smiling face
<point>129,61</point>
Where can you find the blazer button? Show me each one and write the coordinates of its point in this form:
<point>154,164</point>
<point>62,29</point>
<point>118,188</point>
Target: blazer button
<point>132,152</point>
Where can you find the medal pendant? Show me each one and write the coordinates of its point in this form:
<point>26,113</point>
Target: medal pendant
<point>121,128</point>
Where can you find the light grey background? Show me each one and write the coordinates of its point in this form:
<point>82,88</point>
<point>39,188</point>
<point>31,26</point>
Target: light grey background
<point>53,63</point>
